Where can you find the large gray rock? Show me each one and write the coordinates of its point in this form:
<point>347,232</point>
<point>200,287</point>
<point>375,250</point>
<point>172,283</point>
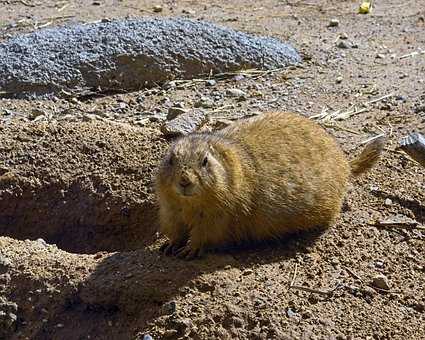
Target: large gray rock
<point>129,54</point>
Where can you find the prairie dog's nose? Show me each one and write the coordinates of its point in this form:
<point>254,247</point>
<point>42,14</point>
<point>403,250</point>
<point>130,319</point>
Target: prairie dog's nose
<point>184,181</point>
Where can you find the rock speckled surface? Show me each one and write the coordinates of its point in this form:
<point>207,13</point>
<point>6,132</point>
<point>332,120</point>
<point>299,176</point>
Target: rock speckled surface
<point>130,54</point>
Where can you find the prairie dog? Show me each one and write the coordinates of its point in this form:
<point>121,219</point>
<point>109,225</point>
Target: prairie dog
<point>257,179</point>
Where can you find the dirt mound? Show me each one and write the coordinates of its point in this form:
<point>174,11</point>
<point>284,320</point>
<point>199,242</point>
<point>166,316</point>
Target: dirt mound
<point>37,282</point>
<point>83,186</point>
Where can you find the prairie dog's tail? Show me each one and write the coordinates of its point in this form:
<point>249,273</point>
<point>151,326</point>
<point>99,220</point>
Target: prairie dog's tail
<point>368,157</point>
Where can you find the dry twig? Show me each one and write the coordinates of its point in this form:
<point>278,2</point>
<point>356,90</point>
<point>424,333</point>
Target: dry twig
<point>398,224</point>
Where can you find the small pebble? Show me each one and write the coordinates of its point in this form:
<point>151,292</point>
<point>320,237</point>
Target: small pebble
<point>147,337</point>
<point>368,291</point>
<point>380,281</point>
<point>41,241</point>
<point>388,202</point>
<point>343,36</point>
<point>205,103</point>
<point>380,56</point>
<point>307,314</point>
<point>290,313</point>
<point>210,82</point>
<point>170,307</point>
<point>339,80</point>
<point>157,8</point>
<point>235,93</point>
<point>239,77</point>
<point>5,262</point>
<point>175,111</point>
<point>333,22</point>
<point>188,11</point>
<point>247,272</point>
<point>343,44</point>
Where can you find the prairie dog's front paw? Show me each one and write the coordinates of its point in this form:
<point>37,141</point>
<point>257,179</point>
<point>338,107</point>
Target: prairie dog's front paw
<point>170,248</point>
<point>188,252</point>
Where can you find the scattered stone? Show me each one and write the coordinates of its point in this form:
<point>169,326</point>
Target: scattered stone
<point>238,77</point>
<point>157,8</point>
<point>380,281</point>
<point>368,291</point>
<point>343,44</point>
<point>7,323</point>
<point>204,286</point>
<point>184,124</point>
<point>170,333</point>
<point>247,272</point>
<point>334,22</point>
<point>380,56</point>
<point>237,321</point>
<point>5,279</point>
<point>205,103</point>
<point>175,111</point>
<point>388,202</point>
<point>210,82</point>
<point>339,80</point>
<point>235,93</point>
<point>143,122</point>
<point>42,242</point>
<point>419,307</point>
<point>5,263</point>
<point>36,113</point>
<point>182,326</point>
<point>221,123</point>
<point>307,314</point>
<point>379,264</point>
<point>147,337</point>
<point>343,36</point>
<point>401,98</point>
<point>170,307</point>
<point>188,11</point>
<point>290,313</point>
<point>60,325</point>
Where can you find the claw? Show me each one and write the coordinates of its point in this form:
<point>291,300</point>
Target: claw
<point>164,246</point>
<point>171,248</point>
<point>188,253</point>
<point>167,248</point>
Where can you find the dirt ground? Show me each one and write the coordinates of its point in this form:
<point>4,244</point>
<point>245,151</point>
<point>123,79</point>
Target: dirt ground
<point>78,244</point>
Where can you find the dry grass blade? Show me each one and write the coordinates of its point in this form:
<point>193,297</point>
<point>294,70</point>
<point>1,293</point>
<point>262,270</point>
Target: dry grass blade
<point>312,290</point>
<point>413,54</point>
<point>352,111</point>
<point>398,224</point>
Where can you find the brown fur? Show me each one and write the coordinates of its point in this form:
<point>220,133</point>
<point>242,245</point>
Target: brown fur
<point>262,178</point>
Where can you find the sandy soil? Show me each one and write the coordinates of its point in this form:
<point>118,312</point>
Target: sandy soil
<point>79,250</point>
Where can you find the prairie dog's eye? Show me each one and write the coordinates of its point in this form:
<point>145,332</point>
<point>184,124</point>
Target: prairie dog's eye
<point>205,161</point>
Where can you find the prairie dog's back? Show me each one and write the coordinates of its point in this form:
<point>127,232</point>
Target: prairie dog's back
<point>299,168</point>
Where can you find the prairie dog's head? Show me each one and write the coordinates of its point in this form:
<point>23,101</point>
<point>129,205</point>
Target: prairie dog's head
<point>192,168</point>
